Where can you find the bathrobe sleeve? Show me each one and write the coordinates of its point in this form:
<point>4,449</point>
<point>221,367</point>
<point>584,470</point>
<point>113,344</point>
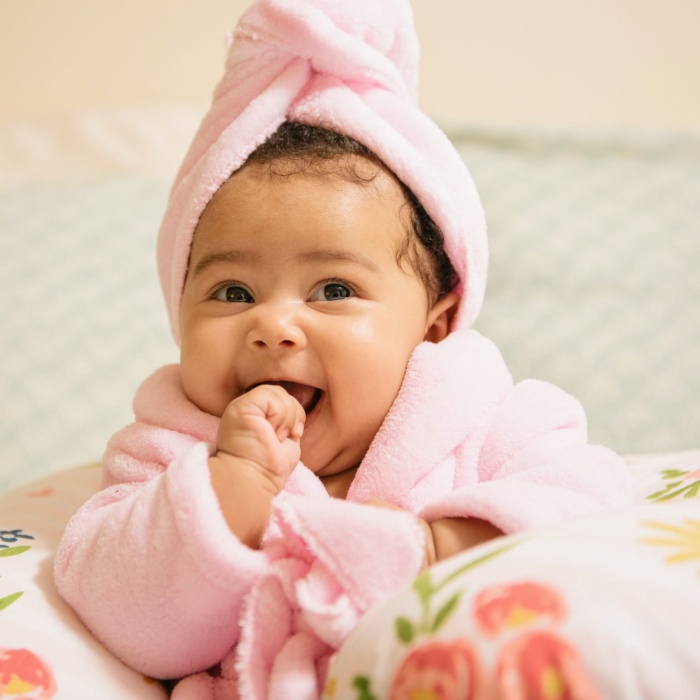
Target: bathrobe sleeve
<point>462,440</point>
<point>149,563</point>
<point>151,567</point>
<point>526,461</point>
<point>535,466</point>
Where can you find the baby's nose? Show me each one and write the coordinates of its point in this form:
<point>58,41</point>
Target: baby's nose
<point>276,326</point>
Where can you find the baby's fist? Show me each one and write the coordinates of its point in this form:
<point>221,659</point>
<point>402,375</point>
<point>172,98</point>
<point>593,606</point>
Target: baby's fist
<point>262,429</point>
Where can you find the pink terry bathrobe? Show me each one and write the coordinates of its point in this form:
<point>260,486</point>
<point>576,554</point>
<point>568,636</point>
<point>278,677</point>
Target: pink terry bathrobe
<point>150,564</point>
<point>156,574</point>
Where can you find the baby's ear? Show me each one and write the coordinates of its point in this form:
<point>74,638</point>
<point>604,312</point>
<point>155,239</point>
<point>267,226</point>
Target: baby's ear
<point>440,318</point>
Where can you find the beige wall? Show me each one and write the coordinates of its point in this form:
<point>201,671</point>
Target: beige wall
<point>623,63</point>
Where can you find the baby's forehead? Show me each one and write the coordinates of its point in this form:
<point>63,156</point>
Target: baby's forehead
<point>371,178</point>
<point>278,200</point>
<point>338,180</point>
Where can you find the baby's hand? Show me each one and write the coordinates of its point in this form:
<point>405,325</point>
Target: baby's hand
<point>262,431</point>
<point>258,446</point>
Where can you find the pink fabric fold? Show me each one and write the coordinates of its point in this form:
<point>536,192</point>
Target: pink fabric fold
<point>349,67</point>
<point>321,581</point>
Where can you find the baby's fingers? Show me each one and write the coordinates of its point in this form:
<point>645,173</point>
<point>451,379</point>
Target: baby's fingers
<point>284,413</point>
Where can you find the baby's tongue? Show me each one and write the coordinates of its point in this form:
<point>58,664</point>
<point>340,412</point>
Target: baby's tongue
<point>303,393</point>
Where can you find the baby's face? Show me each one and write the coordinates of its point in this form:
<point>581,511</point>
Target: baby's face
<point>295,279</point>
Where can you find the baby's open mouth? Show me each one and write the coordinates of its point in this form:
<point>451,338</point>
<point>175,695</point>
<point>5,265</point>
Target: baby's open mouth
<point>307,396</point>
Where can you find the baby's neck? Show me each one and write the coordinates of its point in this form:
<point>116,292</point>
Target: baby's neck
<point>338,485</point>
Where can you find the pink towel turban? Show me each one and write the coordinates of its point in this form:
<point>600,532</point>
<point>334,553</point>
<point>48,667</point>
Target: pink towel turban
<point>351,67</point>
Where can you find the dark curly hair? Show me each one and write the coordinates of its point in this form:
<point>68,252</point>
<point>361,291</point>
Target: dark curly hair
<point>304,145</point>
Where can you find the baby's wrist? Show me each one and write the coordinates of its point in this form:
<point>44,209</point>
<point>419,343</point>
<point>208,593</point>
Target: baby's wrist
<point>240,468</point>
<point>454,535</point>
<point>245,496</point>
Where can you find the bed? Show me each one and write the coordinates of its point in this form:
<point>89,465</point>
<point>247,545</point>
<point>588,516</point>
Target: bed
<point>595,247</point>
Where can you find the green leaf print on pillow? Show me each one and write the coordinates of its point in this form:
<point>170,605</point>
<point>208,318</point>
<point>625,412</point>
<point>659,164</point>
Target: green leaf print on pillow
<point>426,589</point>
<point>7,538</point>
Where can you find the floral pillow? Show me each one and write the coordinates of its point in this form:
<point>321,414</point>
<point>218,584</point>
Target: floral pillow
<point>607,606</point>
<point>602,607</point>
<point>45,651</point>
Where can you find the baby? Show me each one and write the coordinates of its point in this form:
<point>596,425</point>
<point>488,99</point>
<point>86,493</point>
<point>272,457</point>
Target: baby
<point>334,424</point>
<point>313,276</point>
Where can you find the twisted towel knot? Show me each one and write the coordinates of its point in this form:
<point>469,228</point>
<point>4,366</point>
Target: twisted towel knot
<point>363,43</point>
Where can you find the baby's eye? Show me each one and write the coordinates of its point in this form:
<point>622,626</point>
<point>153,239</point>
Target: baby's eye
<point>233,293</point>
<point>332,291</point>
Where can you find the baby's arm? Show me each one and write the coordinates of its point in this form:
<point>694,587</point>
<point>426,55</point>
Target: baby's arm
<point>448,536</point>
<point>258,446</point>
<point>150,564</point>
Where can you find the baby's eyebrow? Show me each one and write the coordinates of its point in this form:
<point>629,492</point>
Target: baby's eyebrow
<point>339,256</point>
<point>226,256</point>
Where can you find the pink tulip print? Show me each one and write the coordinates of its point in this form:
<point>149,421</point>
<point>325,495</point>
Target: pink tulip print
<point>541,665</point>
<point>439,670</point>
<point>510,606</point>
<point>24,676</point>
